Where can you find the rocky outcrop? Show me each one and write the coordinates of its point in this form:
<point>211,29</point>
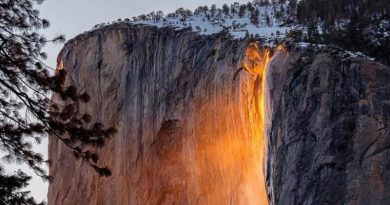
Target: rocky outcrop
<point>185,134</point>
<point>188,130</point>
<point>329,139</point>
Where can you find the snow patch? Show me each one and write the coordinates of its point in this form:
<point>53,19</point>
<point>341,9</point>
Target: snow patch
<point>264,21</point>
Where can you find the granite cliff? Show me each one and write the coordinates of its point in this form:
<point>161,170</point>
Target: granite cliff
<point>329,139</point>
<point>200,122</point>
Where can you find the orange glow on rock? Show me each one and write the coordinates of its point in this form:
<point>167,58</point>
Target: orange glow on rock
<point>255,62</point>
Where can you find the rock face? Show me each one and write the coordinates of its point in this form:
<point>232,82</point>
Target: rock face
<point>188,123</point>
<point>186,133</point>
<point>329,139</point>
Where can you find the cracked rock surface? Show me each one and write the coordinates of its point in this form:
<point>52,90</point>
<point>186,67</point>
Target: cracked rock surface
<point>183,110</point>
<point>329,140</point>
<point>184,134</point>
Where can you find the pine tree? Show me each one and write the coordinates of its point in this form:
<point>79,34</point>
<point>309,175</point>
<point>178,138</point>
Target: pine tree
<point>267,19</point>
<point>11,189</point>
<point>255,17</point>
<point>213,10</point>
<point>233,9</point>
<point>250,7</point>
<point>226,9</point>
<point>205,9</point>
<point>25,85</point>
<point>247,34</point>
<point>264,3</point>
<point>291,9</point>
<point>242,11</point>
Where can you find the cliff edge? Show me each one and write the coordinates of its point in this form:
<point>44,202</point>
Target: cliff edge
<point>186,111</point>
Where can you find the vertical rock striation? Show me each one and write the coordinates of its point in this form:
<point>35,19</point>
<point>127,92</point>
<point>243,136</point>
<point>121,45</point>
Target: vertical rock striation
<point>185,129</point>
<point>188,109</point>
<point>329,140</point>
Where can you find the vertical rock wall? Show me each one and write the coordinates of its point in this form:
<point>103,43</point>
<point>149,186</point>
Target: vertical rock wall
<point>186,134</point>
<point>189,133</point>
<point>329,139</point>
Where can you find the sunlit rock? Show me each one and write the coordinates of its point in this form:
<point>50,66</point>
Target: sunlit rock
<point>211,120</point>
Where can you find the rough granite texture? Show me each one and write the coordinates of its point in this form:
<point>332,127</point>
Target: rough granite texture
<point>329,141</point>
<point>187,133</point>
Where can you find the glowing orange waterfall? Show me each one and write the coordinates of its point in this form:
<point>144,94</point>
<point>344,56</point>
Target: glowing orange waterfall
<point>255,63</point>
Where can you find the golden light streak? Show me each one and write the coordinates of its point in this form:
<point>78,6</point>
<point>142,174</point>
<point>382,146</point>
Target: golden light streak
<point>255,63</point>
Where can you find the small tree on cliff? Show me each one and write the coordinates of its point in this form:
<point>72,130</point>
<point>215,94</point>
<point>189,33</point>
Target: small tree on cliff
<point>213,10</point>
<point>226,9</point>
<point>255,17</point>
<point>26,111</point>
<point>242,10</point>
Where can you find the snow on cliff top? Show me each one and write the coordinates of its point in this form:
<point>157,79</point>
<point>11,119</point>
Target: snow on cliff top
<point>240,20</point>
<point>270,21</point>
